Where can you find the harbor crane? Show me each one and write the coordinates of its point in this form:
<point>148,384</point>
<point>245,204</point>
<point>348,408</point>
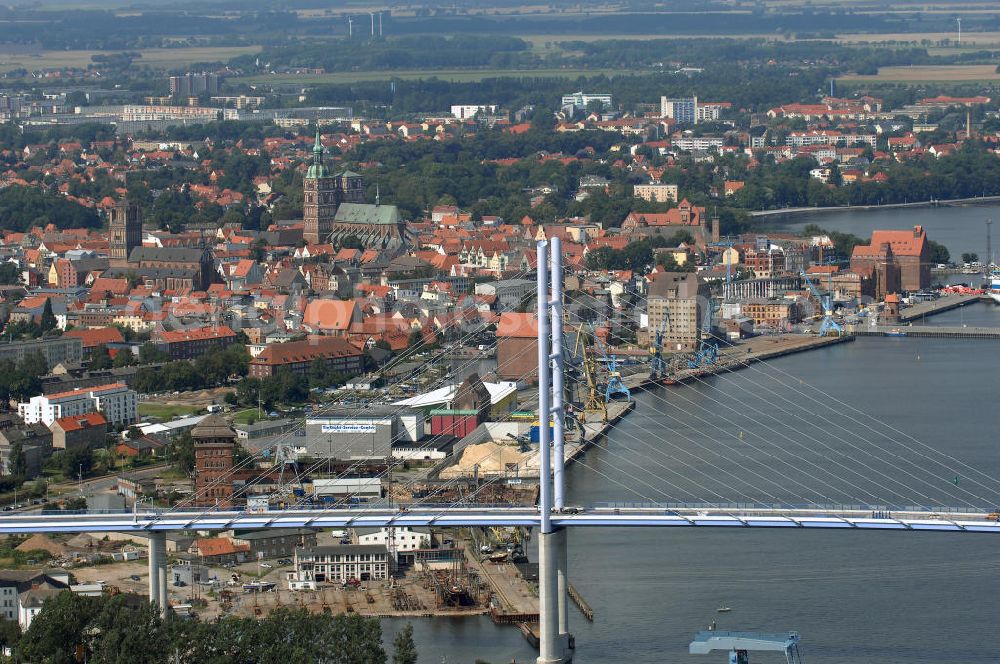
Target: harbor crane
<point>708,348</point>
<point>592,403</point>
<point>614,386</point>
<point>657,365</point>
<point>829,325</point>
<point>741,644</point>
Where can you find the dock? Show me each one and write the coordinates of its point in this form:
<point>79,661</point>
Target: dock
<point>940,305</point>
<point>938,331</point>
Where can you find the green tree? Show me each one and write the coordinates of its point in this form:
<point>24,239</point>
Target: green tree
<point>101,359</point>
<point>150,353</point>
<point>939,252</point>
<point>404,649</point>
<point>125,358</point>
<point>968,257</point>
<point>48,320</point>
<point>18,464</point>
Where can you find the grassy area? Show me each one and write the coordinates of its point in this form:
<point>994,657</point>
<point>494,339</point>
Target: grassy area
<point>165,412</point>
<point>454,75</point>
<point>246,416</point>
<point>931,73</point>
<point>152,57</point>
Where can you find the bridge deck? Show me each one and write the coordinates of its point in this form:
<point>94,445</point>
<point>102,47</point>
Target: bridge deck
<point>974,521</point>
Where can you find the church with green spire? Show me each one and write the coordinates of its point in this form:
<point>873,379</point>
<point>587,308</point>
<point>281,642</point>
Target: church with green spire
<point>323,193</point>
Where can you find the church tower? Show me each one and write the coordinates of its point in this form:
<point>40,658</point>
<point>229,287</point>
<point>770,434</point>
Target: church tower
<point>320,199</point>
<point>124,232</point>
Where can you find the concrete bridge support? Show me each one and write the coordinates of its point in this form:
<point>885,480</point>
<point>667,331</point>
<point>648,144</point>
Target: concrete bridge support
<point>553,624</point>
<point>158,571</point>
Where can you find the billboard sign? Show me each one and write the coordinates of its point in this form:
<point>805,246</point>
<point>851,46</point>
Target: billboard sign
<point>349,428</point>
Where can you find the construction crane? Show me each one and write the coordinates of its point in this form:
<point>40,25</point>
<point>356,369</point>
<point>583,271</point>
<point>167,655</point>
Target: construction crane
<point>614,385</point>
<point>657,365</point>
<point>592,403</point>
<point>740,644</point>
<point>708,348</point>
<point>826,301</point>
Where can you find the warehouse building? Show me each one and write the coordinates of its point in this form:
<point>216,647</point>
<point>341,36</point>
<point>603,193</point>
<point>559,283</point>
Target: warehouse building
<point>368,433</point>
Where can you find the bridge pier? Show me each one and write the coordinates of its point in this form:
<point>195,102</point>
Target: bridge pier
<point>553,621</point>
<point>158,571</point>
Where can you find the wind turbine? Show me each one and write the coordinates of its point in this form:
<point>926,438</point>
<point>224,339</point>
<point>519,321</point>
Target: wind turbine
<point>959,19</point>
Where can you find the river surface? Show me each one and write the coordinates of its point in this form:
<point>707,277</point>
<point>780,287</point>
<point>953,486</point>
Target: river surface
<point>892,420</point>
<point>961,228</point>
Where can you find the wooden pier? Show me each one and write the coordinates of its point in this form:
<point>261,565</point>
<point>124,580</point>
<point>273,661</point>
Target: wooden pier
<point>580,602</point>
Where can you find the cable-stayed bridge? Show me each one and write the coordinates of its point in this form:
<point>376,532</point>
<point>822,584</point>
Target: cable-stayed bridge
<point>791,458</point>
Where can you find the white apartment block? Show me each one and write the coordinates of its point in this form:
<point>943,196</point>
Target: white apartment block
<point>116,402</point>
<point>698,143</point>
<point>806,138</point>
<point>466,111</point>
<point>582,99</point>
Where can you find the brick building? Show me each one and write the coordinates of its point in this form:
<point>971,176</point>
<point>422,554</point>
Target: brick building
<point>214,445</point>
<point>297,356</point>
<point>189,344</point>
<point>772,313</point>
<point>911,252</point>
<point>517,346</point>
<point>879,265</point>
<point>87,431</point>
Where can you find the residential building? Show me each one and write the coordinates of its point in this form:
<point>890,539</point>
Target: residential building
<point>581,100</point>
<point>510,293</point>
<point>87,431</point>
<point>676,304</point>
<point>517,347</point>
<point>274,543</point>
<point>191,343</point>
<point>193,85</point>
<point>339,355</point>
<point>343,563</point>
<point>116,402</point>
<point>55,350</point>
<point>658,193</point>
<point>683,110</point>
<point>35,441</point>
<point>466,111</point>
<point>219,550</point>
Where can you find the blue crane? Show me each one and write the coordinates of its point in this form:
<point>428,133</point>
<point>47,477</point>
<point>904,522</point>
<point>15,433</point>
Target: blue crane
<point>614,386</point>
<point>829,324</point>
<point>708,348</point>
<point>657,365</point>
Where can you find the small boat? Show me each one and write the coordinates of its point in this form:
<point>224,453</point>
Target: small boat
<point>723,609</point>
<point>895,332</point>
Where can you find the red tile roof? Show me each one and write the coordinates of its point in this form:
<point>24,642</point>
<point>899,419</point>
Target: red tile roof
<point>517,325</point>
<point>97,336</point>
<point>80,422</point>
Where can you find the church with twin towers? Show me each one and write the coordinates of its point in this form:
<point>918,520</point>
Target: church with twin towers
<point>333,210</point>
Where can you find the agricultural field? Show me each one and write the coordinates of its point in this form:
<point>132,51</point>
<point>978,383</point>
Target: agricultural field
<point>930,73</point>
<point>153,57</point>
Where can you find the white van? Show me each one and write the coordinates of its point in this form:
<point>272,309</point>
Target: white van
<point>302,585</point>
